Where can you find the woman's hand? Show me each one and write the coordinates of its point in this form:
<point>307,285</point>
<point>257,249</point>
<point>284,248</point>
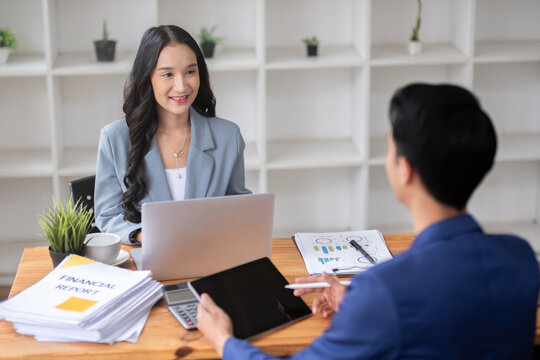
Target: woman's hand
<point>331,297</point>
<point>214,323</point>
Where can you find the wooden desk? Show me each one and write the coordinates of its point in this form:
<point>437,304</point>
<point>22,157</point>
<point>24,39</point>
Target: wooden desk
<point>163,337</point>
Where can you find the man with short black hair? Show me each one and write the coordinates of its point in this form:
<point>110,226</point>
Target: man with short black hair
<point>457,293</point>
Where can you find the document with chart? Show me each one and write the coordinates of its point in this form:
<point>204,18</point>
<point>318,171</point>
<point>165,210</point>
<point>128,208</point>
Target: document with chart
<point>342,252</point>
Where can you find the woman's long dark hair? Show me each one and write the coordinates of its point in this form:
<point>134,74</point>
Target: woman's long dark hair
<point>140,107</point>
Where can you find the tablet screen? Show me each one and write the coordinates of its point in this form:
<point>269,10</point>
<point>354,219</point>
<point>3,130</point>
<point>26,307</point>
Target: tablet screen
<point>254,296</point>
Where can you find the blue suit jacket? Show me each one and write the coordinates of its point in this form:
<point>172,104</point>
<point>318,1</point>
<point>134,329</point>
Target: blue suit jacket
<point>215,167</point>
<point>456,294</point>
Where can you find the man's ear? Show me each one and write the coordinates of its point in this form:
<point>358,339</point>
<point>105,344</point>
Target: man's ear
<point>405,171</point>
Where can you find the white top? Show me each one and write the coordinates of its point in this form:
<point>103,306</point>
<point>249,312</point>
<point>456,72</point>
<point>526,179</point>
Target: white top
<point>177,182</point>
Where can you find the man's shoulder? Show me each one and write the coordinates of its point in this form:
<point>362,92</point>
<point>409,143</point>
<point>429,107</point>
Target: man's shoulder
<point>512,240</point>
<point>512,247</point>
<point>428,262</point>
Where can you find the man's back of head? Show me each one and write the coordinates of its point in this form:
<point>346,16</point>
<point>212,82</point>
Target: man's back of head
<point>446,137</point>
<point>464,288</point>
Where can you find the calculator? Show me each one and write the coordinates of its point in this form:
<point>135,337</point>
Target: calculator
<point>182,304</point>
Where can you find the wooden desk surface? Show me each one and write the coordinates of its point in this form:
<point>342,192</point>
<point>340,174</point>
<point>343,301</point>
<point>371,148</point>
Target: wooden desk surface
<point>163,337</point>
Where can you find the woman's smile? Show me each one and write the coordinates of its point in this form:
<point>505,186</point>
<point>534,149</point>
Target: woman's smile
<point>179,99</point>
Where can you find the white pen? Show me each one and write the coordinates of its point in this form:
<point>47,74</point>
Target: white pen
<point>313,285</point>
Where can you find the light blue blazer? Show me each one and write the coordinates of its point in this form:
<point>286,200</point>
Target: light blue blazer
<point>215,167</point>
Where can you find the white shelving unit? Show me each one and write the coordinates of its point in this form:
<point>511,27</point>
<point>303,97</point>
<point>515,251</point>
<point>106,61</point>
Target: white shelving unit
<point>314,127</point>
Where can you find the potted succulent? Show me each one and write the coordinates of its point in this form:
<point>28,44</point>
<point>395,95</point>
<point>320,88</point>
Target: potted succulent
<point>312,45</point>
<point>8,42</point>
<point>105,48</point>
<point>415,46</point>
<point>65,226</point>
<point>208,41</point>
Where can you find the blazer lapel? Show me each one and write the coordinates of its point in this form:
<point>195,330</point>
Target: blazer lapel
<point>200,165</point>
<point>158,187</point>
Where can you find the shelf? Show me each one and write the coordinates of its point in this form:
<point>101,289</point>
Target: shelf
<point>509,92</point>
<point>233,59</point>
<point>23,65</point>
<point>503,20</point>
<point>508,194</point>
<point>82,162</point>
<point>21,199</point>
<point>287,232</point>
<point>385,80</point>
<point>377,151</point>
<point>396,54</point>
<point>393,228</point>
<point>78,162</point>
<point>511,147</point>
<point>313,104</point>
<point>518,147</point>
<point>312,199</point>
<point>85,63</point>
<point>384,211</point>
<point>507,51</point>
<point>304,154</point>
<point>288,58</point>
<point>25,163</point>
<point>251,160</point>
<point>10,256</point>
<point>314,127</point>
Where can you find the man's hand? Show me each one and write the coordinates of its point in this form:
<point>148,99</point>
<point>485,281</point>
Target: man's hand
<point>331,297</point>
<point>214,323</point>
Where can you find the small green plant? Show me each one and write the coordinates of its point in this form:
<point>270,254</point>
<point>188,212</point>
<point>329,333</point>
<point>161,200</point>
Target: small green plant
<point>311,41</point>
<point>416,28</point>
<point>206,36</point>
<point>66,226</point>
<point>105,35</point>
<point>7,39</point>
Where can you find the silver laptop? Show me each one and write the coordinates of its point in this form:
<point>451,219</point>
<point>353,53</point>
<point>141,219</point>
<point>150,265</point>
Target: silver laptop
<point>197,237</point>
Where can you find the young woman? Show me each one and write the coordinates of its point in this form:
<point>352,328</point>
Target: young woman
<point>170,145</point>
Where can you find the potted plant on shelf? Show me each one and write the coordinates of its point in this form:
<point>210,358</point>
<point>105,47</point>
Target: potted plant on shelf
<point>415,46</point>
<point>8,42</point>
<point>312,45</point>
<point>65,226</point>
<point>105,48</point>
<point>208,41</point>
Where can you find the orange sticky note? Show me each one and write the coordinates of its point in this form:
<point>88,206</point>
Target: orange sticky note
<point>76,304</point>
<point>75,260</point>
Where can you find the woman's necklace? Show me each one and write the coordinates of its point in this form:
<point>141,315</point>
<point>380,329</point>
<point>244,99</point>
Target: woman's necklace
<point>177,153</point>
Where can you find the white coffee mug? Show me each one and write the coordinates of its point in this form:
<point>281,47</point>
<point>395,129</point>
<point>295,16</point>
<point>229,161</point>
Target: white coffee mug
<point>103,247</point>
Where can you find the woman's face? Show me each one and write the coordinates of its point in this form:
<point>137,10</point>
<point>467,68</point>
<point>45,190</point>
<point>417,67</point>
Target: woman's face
<point>175,81</point>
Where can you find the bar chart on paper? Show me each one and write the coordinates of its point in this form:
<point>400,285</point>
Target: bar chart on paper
<point>332,252</point>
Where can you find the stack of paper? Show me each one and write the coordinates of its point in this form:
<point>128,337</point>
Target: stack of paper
<point>333,252</point>
<point>84,300</point>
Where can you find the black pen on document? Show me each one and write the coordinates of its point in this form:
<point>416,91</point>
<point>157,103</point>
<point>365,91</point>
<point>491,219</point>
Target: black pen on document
<point>355,245</point>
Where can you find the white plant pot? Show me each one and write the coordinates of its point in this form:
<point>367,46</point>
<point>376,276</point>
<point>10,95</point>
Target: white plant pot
<point>4,53</point>
<point>414,47</point>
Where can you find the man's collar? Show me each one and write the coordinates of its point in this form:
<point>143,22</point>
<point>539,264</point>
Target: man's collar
<point>446,229</point>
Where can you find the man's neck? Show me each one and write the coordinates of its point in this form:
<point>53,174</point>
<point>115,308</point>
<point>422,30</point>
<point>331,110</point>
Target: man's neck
<point>427,211</point>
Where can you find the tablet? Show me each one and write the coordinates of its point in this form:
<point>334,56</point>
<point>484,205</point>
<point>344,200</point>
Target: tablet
<point>254,296</point>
